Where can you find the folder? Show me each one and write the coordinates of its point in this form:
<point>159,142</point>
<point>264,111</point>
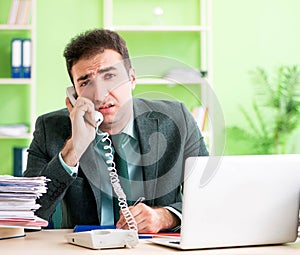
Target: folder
<point>26,58</point>
<point>16,58</point>
<point>81,228</point>
<point>20,155</point>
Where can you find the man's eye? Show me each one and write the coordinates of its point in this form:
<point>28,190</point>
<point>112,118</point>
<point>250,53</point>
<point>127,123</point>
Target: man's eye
<point>84,84</point>
<point>109,76</point>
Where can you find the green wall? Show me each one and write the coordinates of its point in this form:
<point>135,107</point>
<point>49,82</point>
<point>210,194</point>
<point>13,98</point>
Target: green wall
<point>57,22</point>
<point>246,34</point>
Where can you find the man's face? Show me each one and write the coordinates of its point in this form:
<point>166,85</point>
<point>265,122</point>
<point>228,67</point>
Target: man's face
<point>104,80</point>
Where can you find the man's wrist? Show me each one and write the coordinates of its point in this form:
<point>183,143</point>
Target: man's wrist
<point>178,214</point>
<point>68,154</point>
<point>72,170</point>
<point>169,219</point>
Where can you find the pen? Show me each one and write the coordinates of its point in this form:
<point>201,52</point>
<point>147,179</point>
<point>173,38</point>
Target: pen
<point>139,200</point>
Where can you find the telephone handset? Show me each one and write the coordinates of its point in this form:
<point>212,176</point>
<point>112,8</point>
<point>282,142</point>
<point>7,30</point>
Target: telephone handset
<point>71,93</point>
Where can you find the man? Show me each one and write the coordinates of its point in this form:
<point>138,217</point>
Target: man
<point>68,149</point>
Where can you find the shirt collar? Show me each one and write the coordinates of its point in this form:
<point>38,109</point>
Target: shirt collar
<point>129,128</point>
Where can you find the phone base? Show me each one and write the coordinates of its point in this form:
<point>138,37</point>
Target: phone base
<point>104,238</point>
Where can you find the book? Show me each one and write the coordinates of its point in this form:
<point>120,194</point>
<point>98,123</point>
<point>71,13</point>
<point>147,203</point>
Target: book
<point>26,15</point>
<point>20,12</point>
<point>11,232</point>
<point>23,14</point>
<point>12,18</point>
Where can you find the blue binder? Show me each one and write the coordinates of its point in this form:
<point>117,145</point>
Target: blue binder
<point>26,58</point>
<point>21,58</point>
<point>16,58</point>
<point>20,155</point>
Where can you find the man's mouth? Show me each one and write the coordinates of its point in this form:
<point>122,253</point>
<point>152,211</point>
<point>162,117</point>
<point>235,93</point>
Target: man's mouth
<point>106,108</point>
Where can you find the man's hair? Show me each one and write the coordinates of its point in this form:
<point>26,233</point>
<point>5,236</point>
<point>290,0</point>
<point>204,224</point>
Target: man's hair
<point>92,42</point>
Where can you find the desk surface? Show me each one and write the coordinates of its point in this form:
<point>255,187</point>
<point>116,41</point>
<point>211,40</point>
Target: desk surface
<point>50,241</point>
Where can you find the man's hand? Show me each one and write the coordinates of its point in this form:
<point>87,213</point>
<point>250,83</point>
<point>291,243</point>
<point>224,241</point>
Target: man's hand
<point>83,132</point>
<point>150,220</point>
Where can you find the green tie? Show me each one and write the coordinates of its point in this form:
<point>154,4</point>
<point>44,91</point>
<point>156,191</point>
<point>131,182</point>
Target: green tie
<point>121,166</point>
<point>107,208</point>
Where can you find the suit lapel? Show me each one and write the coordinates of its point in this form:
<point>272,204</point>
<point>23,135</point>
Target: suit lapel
<point>148,136</point>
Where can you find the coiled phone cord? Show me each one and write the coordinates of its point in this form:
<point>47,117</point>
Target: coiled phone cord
<point>115,182</point>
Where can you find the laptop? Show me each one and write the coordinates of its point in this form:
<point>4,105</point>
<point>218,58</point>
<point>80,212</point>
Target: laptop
<point>234,201</point>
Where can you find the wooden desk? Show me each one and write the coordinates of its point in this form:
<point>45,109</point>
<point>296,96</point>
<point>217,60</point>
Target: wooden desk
<point>53,242</point>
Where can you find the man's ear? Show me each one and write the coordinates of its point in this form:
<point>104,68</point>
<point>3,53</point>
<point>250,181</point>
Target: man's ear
<point>132,77</point>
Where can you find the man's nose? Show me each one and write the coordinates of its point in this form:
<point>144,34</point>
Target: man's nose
<point>100,92</point>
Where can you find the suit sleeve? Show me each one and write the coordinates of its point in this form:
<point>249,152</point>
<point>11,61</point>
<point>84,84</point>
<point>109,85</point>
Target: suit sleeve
<point>43,160</point>
<point>193,146</point>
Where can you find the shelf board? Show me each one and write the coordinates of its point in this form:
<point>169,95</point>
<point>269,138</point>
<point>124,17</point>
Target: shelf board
<point>15,27</point>
<point>24,136</point>
<point>158,81</point>
<point>159,28</point>
<point>15,81</point>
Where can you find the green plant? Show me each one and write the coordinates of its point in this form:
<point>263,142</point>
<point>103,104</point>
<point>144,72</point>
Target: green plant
<point>276,107</point>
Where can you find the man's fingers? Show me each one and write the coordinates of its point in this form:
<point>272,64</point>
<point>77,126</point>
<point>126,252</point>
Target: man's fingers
<point>68,104</point>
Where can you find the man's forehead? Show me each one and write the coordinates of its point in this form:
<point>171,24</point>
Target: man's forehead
<point>99,63</point>
<point>108,56</point>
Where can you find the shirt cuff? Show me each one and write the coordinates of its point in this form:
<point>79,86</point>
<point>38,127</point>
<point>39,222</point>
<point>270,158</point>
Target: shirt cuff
<point>71,170</point>
<point>178,214</point>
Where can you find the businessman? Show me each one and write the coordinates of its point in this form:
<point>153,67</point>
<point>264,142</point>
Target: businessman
<point>150,139</point>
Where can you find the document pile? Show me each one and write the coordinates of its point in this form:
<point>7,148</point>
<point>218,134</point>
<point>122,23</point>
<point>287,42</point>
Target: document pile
<point>18,201</point>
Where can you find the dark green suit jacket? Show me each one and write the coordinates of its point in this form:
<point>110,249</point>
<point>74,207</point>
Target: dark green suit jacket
<point>167,135</point>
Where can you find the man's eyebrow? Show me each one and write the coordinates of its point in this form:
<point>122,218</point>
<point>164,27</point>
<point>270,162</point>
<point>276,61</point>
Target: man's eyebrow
<point>103,70</point>
<point>107,69</point>
<point>84,77</point>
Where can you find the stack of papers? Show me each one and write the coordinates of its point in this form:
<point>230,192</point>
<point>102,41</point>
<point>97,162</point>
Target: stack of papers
<point>18,200</point>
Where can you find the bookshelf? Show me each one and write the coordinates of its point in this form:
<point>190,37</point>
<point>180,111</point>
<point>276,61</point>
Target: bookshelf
<point>196,29</point>
<point>18,95</point>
